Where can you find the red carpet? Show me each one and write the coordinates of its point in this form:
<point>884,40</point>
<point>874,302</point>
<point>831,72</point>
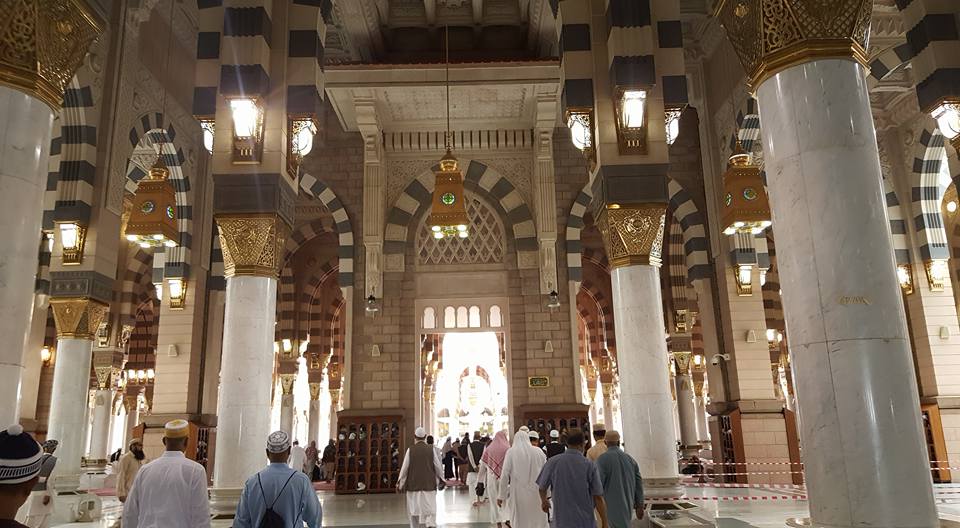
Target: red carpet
<point>324,486</point>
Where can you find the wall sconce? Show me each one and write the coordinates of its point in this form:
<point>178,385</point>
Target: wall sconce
<point>247,130</point>
<point>151,374</point>
<point>553,300</point>
<point>697,360</point>
<point>276,347</point>
<point>287,346</point>
<point>680,321</point>
<point>905,278</point>
<point>141,375</point>
<point>373,306</point>
<point>937,274</point>
<point>763,277</point>
<point>672,122</point>
<point>178,293</point>
<point>209,127</point>
<point>947,114</point>
<point>580,123</point>
<point>744,279</point>
<point>46,356</point>
<point>72,238</point>
<point>631,110</point>
<point>300,135</point>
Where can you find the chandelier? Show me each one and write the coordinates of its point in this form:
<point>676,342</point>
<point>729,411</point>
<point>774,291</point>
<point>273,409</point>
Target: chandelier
<point>448,210</point>
<point>746,208</point>
<point>153,220</point>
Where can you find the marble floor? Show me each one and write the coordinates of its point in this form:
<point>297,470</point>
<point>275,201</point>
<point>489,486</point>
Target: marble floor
<point>455,509</point>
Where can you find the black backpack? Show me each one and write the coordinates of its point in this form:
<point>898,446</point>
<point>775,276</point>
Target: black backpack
<point>272,519</point>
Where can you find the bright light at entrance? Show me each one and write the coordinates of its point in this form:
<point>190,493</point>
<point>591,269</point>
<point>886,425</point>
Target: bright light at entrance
<point>471,386</point>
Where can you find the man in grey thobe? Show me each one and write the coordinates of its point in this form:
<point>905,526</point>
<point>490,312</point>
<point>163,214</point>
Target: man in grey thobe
<point>622,484</point>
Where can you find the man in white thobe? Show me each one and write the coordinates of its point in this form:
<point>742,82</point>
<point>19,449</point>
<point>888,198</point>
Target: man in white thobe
<point>171,491</point>
<point>420,475</point>
<point>298,457</point>
<point>519,492</point>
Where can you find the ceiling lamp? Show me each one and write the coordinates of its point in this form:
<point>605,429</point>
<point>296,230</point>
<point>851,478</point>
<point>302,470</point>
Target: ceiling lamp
<point>947,114</point>
<point>153,221</point>
<point>448,211</point>
<point>746,208</point>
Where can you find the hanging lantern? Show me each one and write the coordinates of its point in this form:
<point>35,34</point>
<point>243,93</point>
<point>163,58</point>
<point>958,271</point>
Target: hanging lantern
<point>153,221</point>
<point>448,213</point>
<point>746,208</point>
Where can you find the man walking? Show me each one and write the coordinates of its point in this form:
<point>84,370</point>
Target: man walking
<point>171,491</point>
<point>420,474</point>
<point>622,484</point>
<point>575,485</point>
<point>298,456</point>
<point>327,460</point>
<point>599,447</point>
<point>129,465</point>
<point>554,448</point>
<point>279,493</point>
<point>313,459</point>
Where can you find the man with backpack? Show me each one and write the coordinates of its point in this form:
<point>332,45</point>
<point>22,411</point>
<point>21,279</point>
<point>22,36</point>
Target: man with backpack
<point>278,496</point>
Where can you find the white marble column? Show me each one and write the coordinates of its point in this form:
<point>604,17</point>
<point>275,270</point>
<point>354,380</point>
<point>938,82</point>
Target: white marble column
<point>686,414</point>
<point>24,147</point>
<point>32,361</point>
<point>286,413</point>
<point>607,391</point>
<point>645,397</point>
<point>246,377</point>
<point>132,405</point>
<point>100,437</point>
<point>334,404</point>
<point>864,453</point>
<point>68,407</point>
<point>700,409</point>
<point>314,422</point>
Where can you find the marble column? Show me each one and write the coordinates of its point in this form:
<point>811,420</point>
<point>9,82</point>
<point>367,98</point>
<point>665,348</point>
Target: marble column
<point>32,360</point>
<point>246,370</point>
<point>286,403</point>
<point>34,82</point>
<point>864,455</point>
<point>314,416</point>
<point>77,321</point>
<point>132,405</point>
<point>633,236</point>
<point>100,436</point>
<point>700,410</point>
<point>686,412</point>
<point>608,391</point>
<point>334,406</point>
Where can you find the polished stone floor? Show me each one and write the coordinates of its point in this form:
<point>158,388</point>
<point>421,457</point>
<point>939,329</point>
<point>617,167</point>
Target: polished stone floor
<point>740,508</point>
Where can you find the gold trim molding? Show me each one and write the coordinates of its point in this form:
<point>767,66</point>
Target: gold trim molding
<point>77,318</point>
<point>770,36</point>
<point>252,244</point>
<point>633,234</point>
<point>43,43</point>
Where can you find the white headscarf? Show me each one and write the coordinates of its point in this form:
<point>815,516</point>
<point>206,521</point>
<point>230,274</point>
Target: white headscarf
<point>527,461</point>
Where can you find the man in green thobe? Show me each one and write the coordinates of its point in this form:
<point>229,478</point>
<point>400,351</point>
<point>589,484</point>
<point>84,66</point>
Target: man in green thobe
<point>622,484</point>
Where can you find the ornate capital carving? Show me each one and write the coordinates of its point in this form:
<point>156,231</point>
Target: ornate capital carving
<point>633,234</point>
<point>770,36</point>
<point>683,362</point>
<point>698,388</point>
<point>77,318</point>
<point>105,377</point>
<point>42,43</point>
<point>252,244</point>
<point>314,391</point>
<point>286,383</point>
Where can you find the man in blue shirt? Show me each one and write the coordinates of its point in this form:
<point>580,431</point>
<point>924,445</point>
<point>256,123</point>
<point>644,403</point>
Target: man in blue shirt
<point>576,487</point>
<point>622,484</point>
<point>286,491</point>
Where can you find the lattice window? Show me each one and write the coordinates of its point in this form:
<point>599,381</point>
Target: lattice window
<point>485,245</point>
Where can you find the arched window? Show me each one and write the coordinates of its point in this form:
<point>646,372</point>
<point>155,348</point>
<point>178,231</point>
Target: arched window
<point>429,318</point>
<point>462,317</point>
<point>474,317</point>
<point>449,317</point>
<point>496,319</point>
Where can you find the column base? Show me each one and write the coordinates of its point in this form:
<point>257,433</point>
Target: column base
<point>663,487</point>
<point>224,502</point>
<point>66,483</point>
<point>690,450</point>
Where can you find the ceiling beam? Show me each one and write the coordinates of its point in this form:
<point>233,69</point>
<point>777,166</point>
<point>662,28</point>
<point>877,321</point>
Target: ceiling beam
<point>430,7</point>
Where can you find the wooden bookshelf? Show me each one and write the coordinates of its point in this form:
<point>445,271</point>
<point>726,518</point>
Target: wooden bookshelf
<point>563,418</point>
<point>369,453</point>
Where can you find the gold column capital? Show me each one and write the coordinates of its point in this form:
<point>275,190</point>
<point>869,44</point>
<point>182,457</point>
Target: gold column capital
<point>314,391</point>
<point>683,362</point>
<point>770,36</point>
<point>633,234</point>
<point>286,383</point>
<point>698,388</point>
<point>105,376</point>
<point>77,318</point>
<point>252,244</point>
<point>42,43</point>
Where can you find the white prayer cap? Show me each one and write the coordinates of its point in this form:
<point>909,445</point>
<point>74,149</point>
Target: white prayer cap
<point>278,442</point>
<point>176,429</point>
<point>525,428</point>
<point>534,435</point>
<point>599,427</point>
<point>554,434</point>
<point>420,432</point>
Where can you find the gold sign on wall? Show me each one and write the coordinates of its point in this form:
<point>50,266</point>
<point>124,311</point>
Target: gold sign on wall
<point>538,382</point>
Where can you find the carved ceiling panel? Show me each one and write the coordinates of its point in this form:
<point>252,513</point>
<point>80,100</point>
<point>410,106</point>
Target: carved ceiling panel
<point>476,103</point>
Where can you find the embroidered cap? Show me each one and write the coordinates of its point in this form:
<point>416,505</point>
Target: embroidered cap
<point>278,442</point>
<point>20,456</point>
<point>176,429</point>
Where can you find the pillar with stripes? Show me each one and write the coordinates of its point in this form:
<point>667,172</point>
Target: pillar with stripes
<point>864,453</point>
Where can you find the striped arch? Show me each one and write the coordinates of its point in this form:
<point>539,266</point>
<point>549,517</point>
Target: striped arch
<point>927,195</point>
<point>479,178</point>
<point>887,62</point>
<point>319,190</point>
<point>73,155</point>
<point>772,301</point>
<point>898,225</point>
<point>604,310</point>
<point>676,264</point>
<point>136,284</point>
<point>149,130</point>
<point>574,227</point>
<point>286,290</point>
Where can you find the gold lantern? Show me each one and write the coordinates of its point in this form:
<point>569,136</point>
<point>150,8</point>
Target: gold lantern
<point>153,221</point>
<point>746,208</point>
<point>448,213</point>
